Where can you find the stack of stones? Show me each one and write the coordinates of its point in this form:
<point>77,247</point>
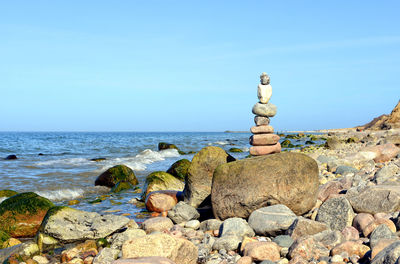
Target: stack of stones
<point>263,140</point>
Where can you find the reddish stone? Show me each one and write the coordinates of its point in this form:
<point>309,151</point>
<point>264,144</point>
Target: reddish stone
<point>265,150</point>
<point>329,188</point>
<point>260,251</point>
<point>382,244</point>
<point>350,233</point>
<point>264,139</point>
<point>362,220</point>
<point>307,248</point>
<point>351,248</point>
<point>161,201</point>
<point>377,222</point>
<point>245,260</point>
<point>262,129</point>
<point>384,152</point>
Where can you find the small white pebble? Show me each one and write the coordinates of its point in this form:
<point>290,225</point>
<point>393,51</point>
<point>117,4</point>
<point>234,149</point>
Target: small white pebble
<point>193,224</point>
<point>337,258</point>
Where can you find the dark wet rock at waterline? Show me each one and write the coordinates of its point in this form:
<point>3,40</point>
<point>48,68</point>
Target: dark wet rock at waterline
<point>118,173</point>
<point>11,157</point>
<point>180,169</point>
<point>160,180</point>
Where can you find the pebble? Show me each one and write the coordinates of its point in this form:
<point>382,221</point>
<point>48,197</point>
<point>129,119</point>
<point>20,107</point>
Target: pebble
<point>193,224</point>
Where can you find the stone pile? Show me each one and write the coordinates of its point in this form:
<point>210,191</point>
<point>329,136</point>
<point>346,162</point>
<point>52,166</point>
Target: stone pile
<point>263,140</point>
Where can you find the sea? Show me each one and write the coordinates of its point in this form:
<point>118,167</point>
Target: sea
<point>59,166</point>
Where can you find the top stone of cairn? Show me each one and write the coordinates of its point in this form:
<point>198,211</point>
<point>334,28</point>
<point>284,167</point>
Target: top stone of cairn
<point>264,89</point>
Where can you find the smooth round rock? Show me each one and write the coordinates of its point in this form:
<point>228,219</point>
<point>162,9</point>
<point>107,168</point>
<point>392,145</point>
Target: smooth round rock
<point>243,186</point>
<point>262,129</point>
<point>272,220</point>
<point>264,139</point>
<point>261,120</point>
<point>265,150</point>
<point>267,110</point>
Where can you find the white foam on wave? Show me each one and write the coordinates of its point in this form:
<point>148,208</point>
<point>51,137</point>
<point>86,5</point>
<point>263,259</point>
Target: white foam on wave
<point>222,143</point>
<point>62,194</point>
<point>2,199</point>
<point>69,162</point>
<point>139,162</point>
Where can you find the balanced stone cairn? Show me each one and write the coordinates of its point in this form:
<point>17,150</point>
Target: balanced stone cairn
<point>263,140</point>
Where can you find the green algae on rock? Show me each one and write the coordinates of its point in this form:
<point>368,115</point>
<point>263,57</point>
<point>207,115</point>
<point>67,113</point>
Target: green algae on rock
<point>164,145</point>
<point>160,180</point>
<point>22,214</point>
<point>121,186</point>
<point>237,150</point>
<point>3,237</point>
<point>179,169</point>
<point>118,173</point>
<point>7,193</point>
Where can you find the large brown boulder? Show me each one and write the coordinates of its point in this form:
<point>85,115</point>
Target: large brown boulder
<point>243,186</point>
<point>199,179</point>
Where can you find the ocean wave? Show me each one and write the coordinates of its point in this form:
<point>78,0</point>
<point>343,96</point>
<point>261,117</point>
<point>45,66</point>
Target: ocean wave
<point>59,162</point>
<point>139,162</point>
<point>62,194</point>
<point>2,199</point>
<point>222,143</point>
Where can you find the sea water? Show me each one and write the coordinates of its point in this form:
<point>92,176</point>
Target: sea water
<point>58,166</point>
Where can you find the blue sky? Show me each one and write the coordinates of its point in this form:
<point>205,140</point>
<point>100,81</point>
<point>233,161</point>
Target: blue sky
<point>195,65</point>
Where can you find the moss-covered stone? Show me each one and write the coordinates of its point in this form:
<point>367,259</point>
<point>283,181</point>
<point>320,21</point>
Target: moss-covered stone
<point>98,159</point>
<point>200,175</point>
<point>160,180</point>
<point>179,169</point>
<point>102,242</point>
<point>164,145</point>
<point>119,173</point>
<point>121,186</point>
<point>286,143</point>
<point>22,214</point>
<point>7,193</point>
<point>237,150</point>
<point>309,142</point>
<point>293,136</point>
<point>3,237</point>
<point>73,202</point>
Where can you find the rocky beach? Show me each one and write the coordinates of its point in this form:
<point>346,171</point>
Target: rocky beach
<point>336,202</point>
